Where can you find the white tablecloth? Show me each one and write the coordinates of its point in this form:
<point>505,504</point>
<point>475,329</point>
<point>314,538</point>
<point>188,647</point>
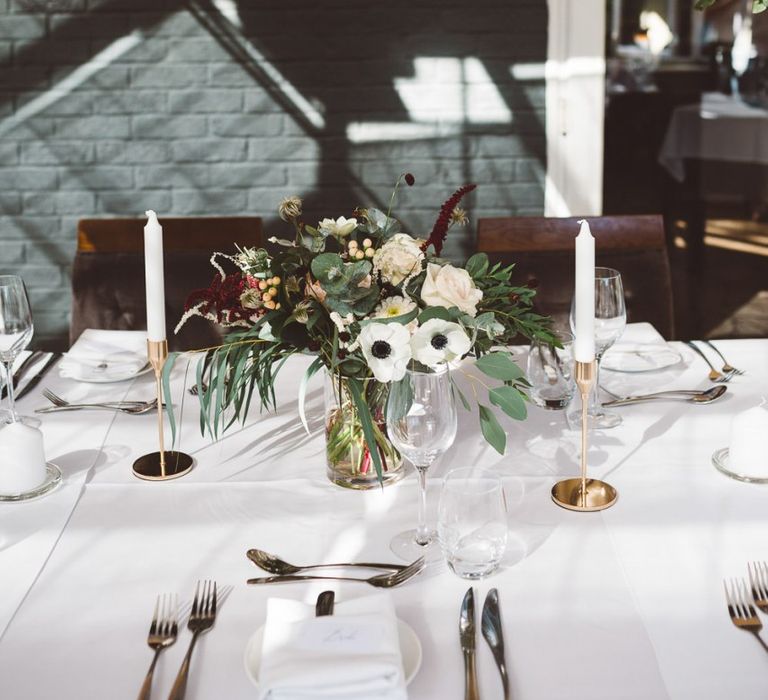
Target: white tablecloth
<point>627,603</point>
<point>719,128</point>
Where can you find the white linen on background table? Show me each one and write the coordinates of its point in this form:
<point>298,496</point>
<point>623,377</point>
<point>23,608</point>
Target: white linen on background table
<point>636,589</point>
<point>720,127</point>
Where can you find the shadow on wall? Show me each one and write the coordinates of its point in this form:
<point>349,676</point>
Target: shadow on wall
<point>365,90</point>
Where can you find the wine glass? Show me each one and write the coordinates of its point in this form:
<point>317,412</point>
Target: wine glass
<point>610,320</point>
<point>16,330</point>
<point>421,423</point>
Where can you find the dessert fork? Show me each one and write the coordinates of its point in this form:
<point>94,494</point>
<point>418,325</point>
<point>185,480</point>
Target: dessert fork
<point>201,619</point>
<point>726,367</point>
<point>162,633</point>
<point>758,582</point>
<point>742,611</point>
<point>714,375</point>
<point>379,581</point>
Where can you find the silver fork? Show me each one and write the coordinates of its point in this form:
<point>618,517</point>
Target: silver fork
<point>758,582</point>
<point>741,610</point>
<point>726,366</point>
<point>201,619</point>
<point>57,400</point>
<point>714,375</point>
<point>162,633</point>
<point>379,581</point>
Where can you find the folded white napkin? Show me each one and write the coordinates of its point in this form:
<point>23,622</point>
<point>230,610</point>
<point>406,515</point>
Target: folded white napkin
<point>353,654</point>
<point>104,356</point>
<point>640,347</point>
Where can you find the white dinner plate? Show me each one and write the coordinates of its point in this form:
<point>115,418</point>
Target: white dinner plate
<point>640,357</point>
<point>410,648</point>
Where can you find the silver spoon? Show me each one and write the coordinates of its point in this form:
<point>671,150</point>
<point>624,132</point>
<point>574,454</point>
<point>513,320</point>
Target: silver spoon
<point>696,397</point>
<point>275,565</point>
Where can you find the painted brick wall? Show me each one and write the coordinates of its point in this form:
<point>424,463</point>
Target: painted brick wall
<point>110,107</point>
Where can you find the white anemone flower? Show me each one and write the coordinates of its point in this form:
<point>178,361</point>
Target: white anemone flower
<point>438,342</point>
<point>387,350</point>
<point>337,227</point>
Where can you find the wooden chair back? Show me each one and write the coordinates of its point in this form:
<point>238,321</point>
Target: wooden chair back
<point>108,272</point>
<point>543,249</point>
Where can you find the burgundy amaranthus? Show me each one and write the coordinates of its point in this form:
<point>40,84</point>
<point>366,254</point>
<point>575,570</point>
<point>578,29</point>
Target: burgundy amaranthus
<point>440,229</point>
<point>222,298</point>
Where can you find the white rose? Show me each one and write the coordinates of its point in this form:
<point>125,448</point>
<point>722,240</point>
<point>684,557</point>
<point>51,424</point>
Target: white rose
<point>450,286</point>
<point>398,259</point>
<point>337,227</point>
<point>387,350</point>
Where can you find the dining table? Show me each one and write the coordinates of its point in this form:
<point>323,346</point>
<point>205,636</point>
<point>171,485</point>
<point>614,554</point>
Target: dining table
<point>625,603</point>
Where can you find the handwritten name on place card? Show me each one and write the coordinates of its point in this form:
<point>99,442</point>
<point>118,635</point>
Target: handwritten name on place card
<point>337,635</point>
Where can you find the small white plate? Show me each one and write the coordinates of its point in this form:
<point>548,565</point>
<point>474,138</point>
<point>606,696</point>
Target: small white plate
<point>410,648</point>
<point>93,377</point>
<point>640,358</point>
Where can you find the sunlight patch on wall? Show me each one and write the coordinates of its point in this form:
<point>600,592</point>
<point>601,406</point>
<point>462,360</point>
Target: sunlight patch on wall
<point>444,94</point>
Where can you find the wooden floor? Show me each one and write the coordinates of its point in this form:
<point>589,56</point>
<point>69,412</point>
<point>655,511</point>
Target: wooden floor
<point>733,282</point>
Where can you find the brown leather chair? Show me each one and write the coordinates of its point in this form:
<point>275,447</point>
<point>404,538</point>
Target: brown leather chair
<point>543,248</point>
<point>108,272</point>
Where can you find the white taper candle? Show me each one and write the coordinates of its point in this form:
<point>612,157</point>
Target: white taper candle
<point>155,281</point>
<point>584,300</point>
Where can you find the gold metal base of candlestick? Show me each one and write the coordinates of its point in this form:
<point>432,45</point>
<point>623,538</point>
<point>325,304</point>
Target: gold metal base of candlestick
<point>583,494</point>
<point>148,466</point>
<point>599,496</point>
<point>165,464</point>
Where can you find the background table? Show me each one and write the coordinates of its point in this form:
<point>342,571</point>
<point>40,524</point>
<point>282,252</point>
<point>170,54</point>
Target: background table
<point>627,603</point>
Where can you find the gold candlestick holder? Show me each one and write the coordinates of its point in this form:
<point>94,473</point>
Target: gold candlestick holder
<point>162,465</point>
<point>584,494</point>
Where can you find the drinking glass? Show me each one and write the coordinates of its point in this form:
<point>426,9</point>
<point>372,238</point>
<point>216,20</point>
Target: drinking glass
<point>15,333</point>
<point>610,320</point>
<point>421,423</point>
<point>550,372</point>
<point>472,522</point>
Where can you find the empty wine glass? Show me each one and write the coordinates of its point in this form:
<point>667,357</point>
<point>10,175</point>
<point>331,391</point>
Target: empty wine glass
<point>15,333</point>
<point>421,423</point>
<point>610,321</point>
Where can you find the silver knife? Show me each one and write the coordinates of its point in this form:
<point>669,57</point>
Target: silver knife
<point>32,383</point>
<point>467,637</point>
<point>324,605</point>
<point>491,625</point>
<point>21,371</point>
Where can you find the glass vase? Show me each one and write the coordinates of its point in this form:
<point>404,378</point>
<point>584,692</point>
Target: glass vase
<point>348,455</point>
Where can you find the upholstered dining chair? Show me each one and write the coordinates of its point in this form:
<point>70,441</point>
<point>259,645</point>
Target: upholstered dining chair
<point>108,272</point>
<point>543,249</point>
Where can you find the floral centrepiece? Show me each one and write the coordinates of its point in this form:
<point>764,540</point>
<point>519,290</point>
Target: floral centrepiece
<point>368,300</point>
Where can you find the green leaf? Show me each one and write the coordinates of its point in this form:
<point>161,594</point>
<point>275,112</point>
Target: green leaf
<point>167,369</point>
<point>759,6</point>
<point>492,430</point>
<point>436,312</point>
<point>499,365</point>
<point>399,399</point>
<point>477,265</point>
<point>311,370</point>
<point>364,413</point>
<point>460,393</point>
<point>703,4</point>
<point>509,400</point>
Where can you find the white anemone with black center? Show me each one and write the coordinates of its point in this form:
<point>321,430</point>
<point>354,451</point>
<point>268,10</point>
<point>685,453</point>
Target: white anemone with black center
<point>387,350</point>
<point>438,342</point>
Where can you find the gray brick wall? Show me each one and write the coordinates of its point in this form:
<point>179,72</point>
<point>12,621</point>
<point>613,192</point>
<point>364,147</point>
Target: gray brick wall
<point>192,120</point>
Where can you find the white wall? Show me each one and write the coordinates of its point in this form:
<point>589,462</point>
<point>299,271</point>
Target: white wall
<point>575,73</point>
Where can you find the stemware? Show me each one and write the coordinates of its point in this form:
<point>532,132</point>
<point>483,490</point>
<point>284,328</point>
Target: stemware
<point>421,423</point>
<point>610,321</point>
<point>16,330</point>
<point>550,372</point>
